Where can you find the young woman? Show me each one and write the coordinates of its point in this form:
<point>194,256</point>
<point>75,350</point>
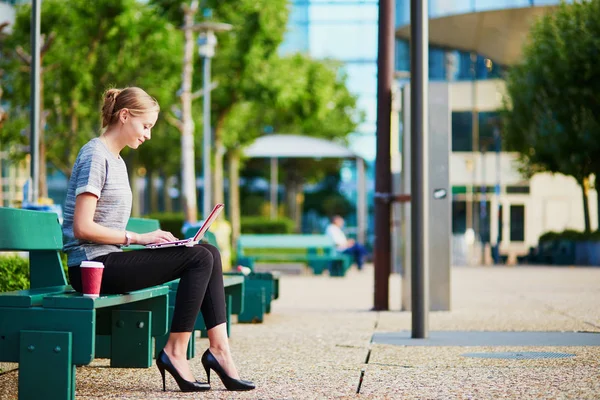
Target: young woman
<point>97,209</point>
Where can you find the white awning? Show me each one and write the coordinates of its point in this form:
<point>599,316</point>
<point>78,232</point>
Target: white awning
<point>498,34</point>
<point>296,146</point>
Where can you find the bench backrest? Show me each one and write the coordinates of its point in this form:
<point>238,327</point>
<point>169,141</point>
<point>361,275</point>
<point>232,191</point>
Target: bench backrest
<point>285,241</point>
<point>209,237</point>
<point>142,225</point>
<point>39,233</point>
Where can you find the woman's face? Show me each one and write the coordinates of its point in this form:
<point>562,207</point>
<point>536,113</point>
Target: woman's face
<point>136,130</point>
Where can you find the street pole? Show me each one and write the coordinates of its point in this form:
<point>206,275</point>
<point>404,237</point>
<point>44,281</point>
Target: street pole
<point>483,205</point>
<point>207,43</point>
<point>419,87</point>
<point>497,145</point>
<point>206,139</point>
<point>34,146</point>
<point>188,173</point>
<point>383,181</point>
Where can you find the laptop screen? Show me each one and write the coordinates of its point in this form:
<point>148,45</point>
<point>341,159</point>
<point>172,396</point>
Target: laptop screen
<point>211,217</point>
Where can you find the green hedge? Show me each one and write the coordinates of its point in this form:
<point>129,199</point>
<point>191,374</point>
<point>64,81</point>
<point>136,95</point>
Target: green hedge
<point>14,273</point>
<point>251,225</point>
<point>570,235</point>
<point>172,222</point>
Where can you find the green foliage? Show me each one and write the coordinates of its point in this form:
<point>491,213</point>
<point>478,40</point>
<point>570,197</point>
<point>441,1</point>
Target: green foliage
<point>266,225</point>
<point>252,204</point>
<point>570,235</point>
<point>171,222</point>
<point>14,273</point>
<point>96,45</point>
<point>328,201</point>
<point>551,114</point>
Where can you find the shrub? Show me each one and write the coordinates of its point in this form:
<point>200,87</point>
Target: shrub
<point>570,235</point>
<point>265,225</point>
<point>171,222</point>
<point>14,273</point>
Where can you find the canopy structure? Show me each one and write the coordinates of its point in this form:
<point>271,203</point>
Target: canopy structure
<point>297,146</point>
<point>497,34</point>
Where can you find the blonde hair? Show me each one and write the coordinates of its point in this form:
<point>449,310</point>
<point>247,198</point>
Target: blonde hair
<point>134,99</point>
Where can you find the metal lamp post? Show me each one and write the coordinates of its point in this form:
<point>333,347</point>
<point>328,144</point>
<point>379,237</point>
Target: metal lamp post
<point>207,42</point>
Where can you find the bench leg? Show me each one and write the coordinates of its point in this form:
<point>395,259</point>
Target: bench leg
<point>336,268</point>
<point>318,266</point>
<point>254,305</point>
<point>102,346</point>
<point>46,370</point>
<point>131,343</point>
<point>229,304</point>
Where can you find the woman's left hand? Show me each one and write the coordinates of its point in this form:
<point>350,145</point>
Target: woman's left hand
<point>157,236</point>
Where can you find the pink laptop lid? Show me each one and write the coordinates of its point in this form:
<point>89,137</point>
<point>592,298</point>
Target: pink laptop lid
<point>208,221</point>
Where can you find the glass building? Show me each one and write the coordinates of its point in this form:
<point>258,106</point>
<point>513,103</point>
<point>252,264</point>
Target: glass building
<point>344,30</point>
<point>499,205</point>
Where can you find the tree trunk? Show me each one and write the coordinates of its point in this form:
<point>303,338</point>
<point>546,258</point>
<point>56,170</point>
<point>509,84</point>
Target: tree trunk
<point>585,184</point>
<point>43,171</point>
<point>218,193</point>
<point>135,199</point>
<point>234,196</point>
<point>294,200</point>
<point>299,205</point>
<point>153,192</point>
<point>188,175</point>
<point>166,196</point>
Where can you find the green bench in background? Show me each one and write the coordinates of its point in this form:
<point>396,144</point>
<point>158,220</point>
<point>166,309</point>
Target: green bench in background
<point>50,328</point>
<point>234,289</point>
<point>260,289</point>
<point>317,251</point>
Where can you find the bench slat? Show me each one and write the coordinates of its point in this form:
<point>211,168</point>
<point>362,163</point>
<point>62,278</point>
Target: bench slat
<point>27,230</point>
<point>268,241</point>
<point>31,297</point>
<point>79,302</point>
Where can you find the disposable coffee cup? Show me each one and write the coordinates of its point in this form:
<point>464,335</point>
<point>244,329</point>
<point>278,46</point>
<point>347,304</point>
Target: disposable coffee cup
<point>91,278</point>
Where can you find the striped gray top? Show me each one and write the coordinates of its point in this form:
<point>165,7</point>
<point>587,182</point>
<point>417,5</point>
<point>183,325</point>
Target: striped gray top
<point>99,172</point>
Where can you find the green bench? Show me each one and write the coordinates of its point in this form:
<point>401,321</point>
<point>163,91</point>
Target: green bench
<point>49,329</point>
<point>260,289</point>
<point>317,251</point>
<point>234,289</point>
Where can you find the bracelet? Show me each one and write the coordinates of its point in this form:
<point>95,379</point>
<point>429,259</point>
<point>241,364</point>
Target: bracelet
<point>127,238</point>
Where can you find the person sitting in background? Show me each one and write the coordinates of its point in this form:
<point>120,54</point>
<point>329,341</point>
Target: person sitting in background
<point>343,244</point>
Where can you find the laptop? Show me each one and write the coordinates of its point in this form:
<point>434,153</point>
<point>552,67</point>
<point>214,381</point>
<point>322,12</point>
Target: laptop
<point>197,237</point>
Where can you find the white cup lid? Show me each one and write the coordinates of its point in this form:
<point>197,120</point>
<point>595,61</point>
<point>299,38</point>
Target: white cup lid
<point>91,264</point>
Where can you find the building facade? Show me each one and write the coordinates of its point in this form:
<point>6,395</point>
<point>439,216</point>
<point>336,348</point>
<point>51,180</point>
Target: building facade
<point>491,201</point>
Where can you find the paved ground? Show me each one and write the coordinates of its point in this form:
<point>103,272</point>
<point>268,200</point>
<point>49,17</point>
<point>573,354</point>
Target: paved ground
<point>317,344</point>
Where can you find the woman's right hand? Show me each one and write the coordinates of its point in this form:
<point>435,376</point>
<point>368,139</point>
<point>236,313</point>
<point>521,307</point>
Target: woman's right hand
<point>157,236</point>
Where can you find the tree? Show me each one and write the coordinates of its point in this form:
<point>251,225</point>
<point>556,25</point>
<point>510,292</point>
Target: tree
<point>97,45</point>
<point>302,96</point>
<point>551,114</point>
<point>257,88</point>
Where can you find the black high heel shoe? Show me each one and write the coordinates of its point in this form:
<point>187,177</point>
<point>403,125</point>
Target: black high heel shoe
<point>164,363</point>
<point>210,362</point>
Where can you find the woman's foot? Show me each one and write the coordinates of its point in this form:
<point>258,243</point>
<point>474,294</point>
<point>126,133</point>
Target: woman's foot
<point>225,359</point>
<point>180,363</point>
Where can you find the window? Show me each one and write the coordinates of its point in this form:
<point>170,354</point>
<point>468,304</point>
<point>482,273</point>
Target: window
<point>437,64</point>
<point>459,217</point>
<point>517,189</point>
<point>462,131</point>
<point>517,223</point>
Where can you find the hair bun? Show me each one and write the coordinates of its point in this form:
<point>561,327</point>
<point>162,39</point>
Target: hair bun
<point>108,108</point>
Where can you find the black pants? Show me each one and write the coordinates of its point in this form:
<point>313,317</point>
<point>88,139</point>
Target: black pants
<point>198,268</point>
